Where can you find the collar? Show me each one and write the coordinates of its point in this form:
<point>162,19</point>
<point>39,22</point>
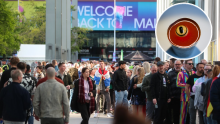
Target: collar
<point>58,73</point>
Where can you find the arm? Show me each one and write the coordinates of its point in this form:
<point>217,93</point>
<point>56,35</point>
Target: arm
<point>144,86</point>
<point>70,82</point>
<point>153,86</point>
<point>66,107</point>
<point>36,102</point>
<point>179,81</point>
<point>115,78</point>
<point>203,90</point>
<point>139,85</point>
<point>187,90</point>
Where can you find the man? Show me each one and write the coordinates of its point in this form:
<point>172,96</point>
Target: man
<point>45,78</point>
<point>121,85</point>
<point>7,74</point>
<point>65,77</point>
<point>14,100</point>
<point>172,61</point>
<point>54,63</point>
<point>166,67</point>
<point>189,84</point>
<point>28,73</point>
<point>182,78</point>
<point>29,84</point>
<point>160,93</point>
<point>50,101</point>
<point>175,92</point>
<point>4,65</point>
<point>102,79</point>
<point>146,88</point>
<point>204,62</point>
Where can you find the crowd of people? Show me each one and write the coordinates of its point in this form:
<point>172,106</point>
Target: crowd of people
<point>162,92</point>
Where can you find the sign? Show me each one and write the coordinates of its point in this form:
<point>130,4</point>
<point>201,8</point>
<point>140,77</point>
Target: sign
<point>138,16</point>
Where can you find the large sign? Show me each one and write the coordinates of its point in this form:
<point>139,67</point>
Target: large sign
<point>138,16</point>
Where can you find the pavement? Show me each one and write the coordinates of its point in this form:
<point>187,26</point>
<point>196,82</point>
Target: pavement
<point>76,119</point>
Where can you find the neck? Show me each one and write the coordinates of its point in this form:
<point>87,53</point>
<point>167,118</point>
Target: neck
<point>16,81</point>
<point>92,75</point>
<point>13,66</point>
<point>61,72</point>
<point>199,74</point>
<point>189,70</point>
<point>102,68</point>
<point>50,78</point>
<point>85,78</point>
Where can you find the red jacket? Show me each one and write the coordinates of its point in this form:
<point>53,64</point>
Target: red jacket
<point>45,79</point>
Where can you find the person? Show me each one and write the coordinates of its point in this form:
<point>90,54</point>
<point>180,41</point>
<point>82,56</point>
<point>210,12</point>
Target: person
<point>172,61</point>
<point>83,97</point>
<point>14,100</point>
<point>29,84</point>
<point>116,66</point>
<point>146,66</point>
<point>129,73</point>
<point>146,88</point>
<point>189,84</point>
<point>120,85</point>
<point>92,73</point>
<point>112,90</point>
<point>102,79</point>
<point>134,74</point>
<point>175,92</point>
<point>157,59</point>
<point>166,67</point>
<point>160,93</point>
<point>1,71</point>
<point>39,74</point>
<point>204,62</point>
<point>46,100</point>
<point>28,73</point>
<point>55,64</point>
<point>65,77</point>
<point>45,78</point>
<point>7,74</point>
<point>182,78</point>
<point>215,98</point>
<point>5,67</point>
<point>73,72</point>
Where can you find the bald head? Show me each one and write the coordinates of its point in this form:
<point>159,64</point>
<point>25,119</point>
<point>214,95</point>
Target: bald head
<point>51,73</point>
<point>16,75</point>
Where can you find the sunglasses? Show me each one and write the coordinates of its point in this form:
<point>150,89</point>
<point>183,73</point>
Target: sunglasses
<point>190,63</point>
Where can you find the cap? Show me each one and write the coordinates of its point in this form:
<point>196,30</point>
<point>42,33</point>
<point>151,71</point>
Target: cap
<point>160,63</point>
<point>116,65</point>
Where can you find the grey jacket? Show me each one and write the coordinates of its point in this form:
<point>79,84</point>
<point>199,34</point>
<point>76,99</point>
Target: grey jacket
<point>146,86</point>
<point>50,100</point>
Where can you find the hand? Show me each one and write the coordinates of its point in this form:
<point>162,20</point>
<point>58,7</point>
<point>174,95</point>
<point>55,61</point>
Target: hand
<point>36,117</point>
<point>91,94</point>
<point>107,90</point>
<point>135,86</point>
<point>98,91</point>
<point>154,101</point>
<point>169,100</point>
<point>68,87</point>
<point>6,84</point>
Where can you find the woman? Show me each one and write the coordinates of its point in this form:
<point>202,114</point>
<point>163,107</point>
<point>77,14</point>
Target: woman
<point>83,97</point>
<point>129,73</point>
<point>39,74</point>
<point>134,74</point>
<point>137,96</point>
<point>146,66</point>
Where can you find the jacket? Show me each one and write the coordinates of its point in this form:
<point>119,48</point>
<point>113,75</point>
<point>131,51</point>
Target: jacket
<point>120,80</point>
<point>205,90</point>
<point>136,91</point>
<point>175,91</point>
<point>146,86</point>
<point>215,99</point>
<point>74,102</point>
<point>14,102</point>
<point>5,77</point>
<point>66,80</point>
<point>50,100</point>
<point>73,72</point>
<point>156,86</point>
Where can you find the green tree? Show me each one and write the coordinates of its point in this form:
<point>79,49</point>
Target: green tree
<point>9,39</point>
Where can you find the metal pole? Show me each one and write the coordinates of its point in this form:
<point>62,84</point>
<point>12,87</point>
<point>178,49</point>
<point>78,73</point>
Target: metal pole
<point>114,29</point>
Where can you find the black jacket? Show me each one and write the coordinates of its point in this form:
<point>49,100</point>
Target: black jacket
<point>14,102</point>
<point>120,80</point>
<point>205,90</point>
<point>136,91</point>
<point>74,101</point>
<point>215,99</point>
<point>5,77</point>
<point>175,92</point>
<point>156,85</point>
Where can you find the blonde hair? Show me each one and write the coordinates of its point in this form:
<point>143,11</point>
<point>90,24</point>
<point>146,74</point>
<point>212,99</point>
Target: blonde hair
<point>146,66</point>
<point>134,72</point>
<point>141,75</point>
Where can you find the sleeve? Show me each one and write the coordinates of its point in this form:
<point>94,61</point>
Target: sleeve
<point>214,96</point>
<point>203,89</point>
<point>139,85</point>
<point>115,80</point>
<point>131,89</point>
<point>179,81</point>
<point>66,107</point>
<point>153,87</point>
<point>144,84</point>
<point>36,102</point>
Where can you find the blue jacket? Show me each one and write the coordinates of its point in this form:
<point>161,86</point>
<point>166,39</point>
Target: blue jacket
<point>215,99</point>
<point>14,102</point>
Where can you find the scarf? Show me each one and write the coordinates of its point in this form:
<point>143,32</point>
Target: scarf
<point>82,93</point>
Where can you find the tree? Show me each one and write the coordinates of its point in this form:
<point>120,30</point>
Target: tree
<point>9,39</point>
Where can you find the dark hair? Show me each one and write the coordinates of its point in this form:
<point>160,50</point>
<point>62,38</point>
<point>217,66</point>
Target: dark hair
<point>28,68</point>
<point>157,59</point>
<point>14,60</point>
<point>53,62</point>
<point>21,66</point>
<point>40,67</point>
<point>121,62</point>
<point>101,61</point>
<point>39,63</point>
<point>48,66</point>
<point>197,65</point>
<point>84,69</point>
<point>91,62</point>
<point>60,64</point>
<point>186,61</point>
<point>173,60</point>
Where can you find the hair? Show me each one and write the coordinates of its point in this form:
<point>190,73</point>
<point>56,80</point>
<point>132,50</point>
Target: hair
<point>216,71</point>
<point>101,61</point>
<point>186,61</point>
<point>134,71</point>
<point>75,64</point>
<point>209,65</point>
<point>130,71</point>
<point>146,66</point>
<point>1,70</point>
<point>173,60</point>
<point>40,67</point>
<point>141,75</point>
<point>177,61</point>
<point>15,74</point>
<point>157,59</point>
<point>121,62</point>
<point>21,66</point>
<point>84,69</point>
<point>39,63</point>
<point>60,64</point>
<point>197,65</point>
<point>14,61</point>
<point>44,63</point>
<point>48,65</point>
<point>28,68</point>
<point>51,72</point>
<point>153,65</point>
<point>203,60</point>
<point>54,62</point>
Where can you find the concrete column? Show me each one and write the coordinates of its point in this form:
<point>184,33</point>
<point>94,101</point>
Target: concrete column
<point>75,24</point>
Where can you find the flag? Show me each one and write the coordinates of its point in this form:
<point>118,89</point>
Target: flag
<point>121,55</point>
<point>119,16</point>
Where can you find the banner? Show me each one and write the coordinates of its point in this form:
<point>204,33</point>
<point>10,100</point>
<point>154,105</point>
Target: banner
<point>138,16</point>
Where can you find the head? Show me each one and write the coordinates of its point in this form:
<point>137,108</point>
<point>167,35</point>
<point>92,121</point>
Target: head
<point>172,61</point>
<point>85,72</point>
<point>14,61</point>
<point>122,64</point>
<point>129,73</point>
<point>76,65</point>
<point>44,64</point>
<point>146,66</point>
<point>39,64</point>
<point>134,72</point>
<point>3,62</point>
<point>62,67</point>
<point>39,69</point>
<point>54,62</point>
<point>92,72</point>
<point>48,66</point>
<point>153,68</point>
<point>207,69</point>
<point>141,74</point>
<point>178,65</point>
<point>21,66</point>
<point>166,66</point>
<point>102,64</point>
<point>28,69</point>
<point>216,71</point>
<point>160,66</point>
<point>200,68</point>
<point>204,61</point>
<point>188,65</point>
<point>157,59</point>
<point>16,75</point>
<point>51,73</point>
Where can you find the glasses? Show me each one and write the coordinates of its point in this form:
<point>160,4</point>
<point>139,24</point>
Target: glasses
<point>178,64</point>
<point>190,63</point>
<point>208,70</point>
